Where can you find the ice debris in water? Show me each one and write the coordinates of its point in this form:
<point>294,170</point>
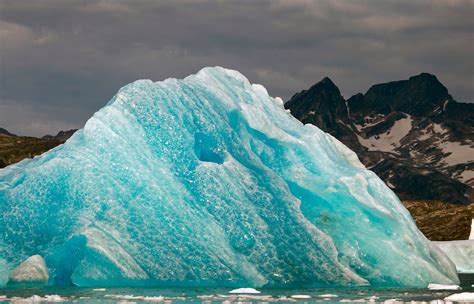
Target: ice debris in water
<point>461,297</point>
<point>38,299</point>
<point>31,270</point>
<point>443,287</point>
<point>245,290</point>
<point>300,296</point>
<point>208,181</point>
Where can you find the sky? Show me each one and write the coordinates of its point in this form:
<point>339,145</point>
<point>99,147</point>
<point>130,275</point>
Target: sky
<point>60,60</point>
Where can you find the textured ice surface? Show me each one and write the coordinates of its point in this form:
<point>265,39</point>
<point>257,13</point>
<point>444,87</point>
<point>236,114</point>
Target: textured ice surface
<point>461,253</point>
<point>208,181</point>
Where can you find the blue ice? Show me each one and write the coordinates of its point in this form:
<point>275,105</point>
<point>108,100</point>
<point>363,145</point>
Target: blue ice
<point>208,181</point>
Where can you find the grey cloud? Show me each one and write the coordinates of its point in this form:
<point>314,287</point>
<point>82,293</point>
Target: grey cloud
<point>65,59</point>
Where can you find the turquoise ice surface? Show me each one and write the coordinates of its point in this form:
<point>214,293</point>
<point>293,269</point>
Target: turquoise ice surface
<point>208,181</point>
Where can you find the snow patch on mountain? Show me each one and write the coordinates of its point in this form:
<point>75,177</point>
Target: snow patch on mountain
<point>390,140</point>
<point>432,130</point>
<point>457,153</point>
<point>370,121</point>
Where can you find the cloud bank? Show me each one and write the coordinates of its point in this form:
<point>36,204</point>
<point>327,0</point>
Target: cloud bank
<point>60,61</point>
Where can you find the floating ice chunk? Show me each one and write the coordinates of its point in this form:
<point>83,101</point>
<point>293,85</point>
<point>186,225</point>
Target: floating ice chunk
<point>36,298</point>
<point>461,297</point>
<point>443,287</point>
<point>139,298</point>
<point>245,290</point>
<point>54,298</point>
<point>99,289</point>
<point>329,295</point>
<point>301,296</point>
<point>32,269</point>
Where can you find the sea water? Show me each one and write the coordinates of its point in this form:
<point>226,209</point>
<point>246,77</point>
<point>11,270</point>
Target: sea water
<point>224,295</point>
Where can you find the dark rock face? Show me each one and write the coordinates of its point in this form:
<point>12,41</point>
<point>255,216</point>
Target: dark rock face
<point>421,95</point>
<point>440,221</point>
<point>412,133</point>
<point>16,148</point>
<point>323,105</point>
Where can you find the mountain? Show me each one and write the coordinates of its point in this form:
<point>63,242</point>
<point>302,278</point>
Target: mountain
<point>61,136</point>
<point>412,133</point>
<point>5,132</point>
<point>323,106</point>
<point>15,148</point>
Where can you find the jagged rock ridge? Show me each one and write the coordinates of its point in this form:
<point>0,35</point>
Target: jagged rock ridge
<point>412,133</point>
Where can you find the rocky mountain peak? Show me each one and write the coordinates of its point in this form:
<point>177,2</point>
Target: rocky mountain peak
<point>427,78</point>
<point>323,96</point>
<point>323,105</point>
<point>326,81</point>
<point>420,95</point>
<point>411,133</point>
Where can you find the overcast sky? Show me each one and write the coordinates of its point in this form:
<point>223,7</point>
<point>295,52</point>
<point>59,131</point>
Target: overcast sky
<point>60,61</point>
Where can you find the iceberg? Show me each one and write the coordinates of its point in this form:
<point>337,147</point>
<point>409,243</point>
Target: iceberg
<point>208,181</point>
<point>461,254</point>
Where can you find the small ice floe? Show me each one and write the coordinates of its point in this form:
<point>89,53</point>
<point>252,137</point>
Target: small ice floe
<point>285,299</point>
<point>99,289</point>
<point>35,298</point>
<point>461,297</point>
<point>329,295</point>
<point>245,290</point>
<point>443,287</point>
<point>54,298</point>
<point>372,299</point>
<point>137,298</point>
<point>393,301</point>
<point>300,297</point>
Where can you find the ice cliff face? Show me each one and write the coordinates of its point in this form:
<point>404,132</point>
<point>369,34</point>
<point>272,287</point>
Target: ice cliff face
<point>208,181</point>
